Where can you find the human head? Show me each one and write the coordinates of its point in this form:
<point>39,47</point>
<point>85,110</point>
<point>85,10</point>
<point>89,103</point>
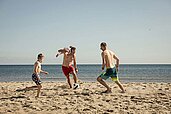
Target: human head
<point>103,46</point>
<point>73,49</point>
<point>40,57</point>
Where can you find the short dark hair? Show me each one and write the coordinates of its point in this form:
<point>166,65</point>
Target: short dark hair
<point>103,44</point>
<point>72,48</point>
<point>40,56</point>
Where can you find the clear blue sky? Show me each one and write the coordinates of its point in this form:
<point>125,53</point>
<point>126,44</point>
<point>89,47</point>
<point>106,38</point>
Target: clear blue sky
<point>138,31</point>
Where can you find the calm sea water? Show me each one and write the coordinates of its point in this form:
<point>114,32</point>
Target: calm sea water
<point>127,73</point>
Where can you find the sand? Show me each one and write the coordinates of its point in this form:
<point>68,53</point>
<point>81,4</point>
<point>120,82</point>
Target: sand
<point>57,98</point>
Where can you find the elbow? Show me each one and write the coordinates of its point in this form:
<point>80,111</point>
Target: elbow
<point>59,51</point>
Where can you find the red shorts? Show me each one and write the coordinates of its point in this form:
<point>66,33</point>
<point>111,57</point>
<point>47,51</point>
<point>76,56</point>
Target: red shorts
<point>67,70</point>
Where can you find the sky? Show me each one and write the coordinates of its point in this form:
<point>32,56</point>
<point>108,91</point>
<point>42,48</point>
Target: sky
<point>138,31</point>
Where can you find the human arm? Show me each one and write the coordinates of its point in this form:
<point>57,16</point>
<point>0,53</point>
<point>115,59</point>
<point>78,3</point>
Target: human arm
<point>103,61</point>
<point>75,63</point>
<point>62,51</point>
<point>117,61</point>
<point>44,72</point>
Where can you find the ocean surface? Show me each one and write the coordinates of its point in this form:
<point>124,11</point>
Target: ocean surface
<point>89,73</point>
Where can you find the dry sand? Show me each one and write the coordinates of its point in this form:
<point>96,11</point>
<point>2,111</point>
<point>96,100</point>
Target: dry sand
<point>56,98</point>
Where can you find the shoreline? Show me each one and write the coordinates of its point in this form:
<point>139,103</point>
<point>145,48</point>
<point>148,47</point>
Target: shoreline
<point>88,81</point>
<point>87,64</point>
<point>58,98</point>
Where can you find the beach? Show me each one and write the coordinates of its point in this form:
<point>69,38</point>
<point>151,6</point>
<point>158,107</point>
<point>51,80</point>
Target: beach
<point>57,98</point>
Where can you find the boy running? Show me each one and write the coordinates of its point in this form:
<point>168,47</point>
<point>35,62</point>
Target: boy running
<point>108,58</point>
<point>36,74</point>
<point>67,68</point>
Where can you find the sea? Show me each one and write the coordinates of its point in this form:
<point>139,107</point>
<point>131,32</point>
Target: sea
<point>89,73</point>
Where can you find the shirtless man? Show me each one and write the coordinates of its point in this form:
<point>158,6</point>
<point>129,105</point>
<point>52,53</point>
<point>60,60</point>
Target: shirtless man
<point>67,68</point>
<point>108,58</point>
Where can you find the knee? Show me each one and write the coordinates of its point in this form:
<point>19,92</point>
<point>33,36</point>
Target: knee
<point>68,79</point>
<point>73,73</point>
<point>99,78</point>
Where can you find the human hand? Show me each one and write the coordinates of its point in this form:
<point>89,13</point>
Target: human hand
<point>117,68</point>
<point>57,55</point>
<point>76,70</point>
<point>46,72</point>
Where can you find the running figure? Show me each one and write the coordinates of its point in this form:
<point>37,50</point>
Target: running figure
<point>36,75</point>
<point>108,58</point>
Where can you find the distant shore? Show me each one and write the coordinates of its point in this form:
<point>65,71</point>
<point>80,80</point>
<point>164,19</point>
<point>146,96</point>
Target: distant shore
<point>56,97</point>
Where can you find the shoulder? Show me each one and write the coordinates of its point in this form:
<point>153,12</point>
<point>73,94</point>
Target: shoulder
<point>103,53</point>
<point>111,52</point>
<point>37,63</point>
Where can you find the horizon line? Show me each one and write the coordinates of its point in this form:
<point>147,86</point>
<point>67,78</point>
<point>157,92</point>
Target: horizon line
<point>79,63</point>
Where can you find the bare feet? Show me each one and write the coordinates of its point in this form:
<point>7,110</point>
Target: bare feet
<point>36,97</point>
<point>108,91</point>
<point>123,91</point>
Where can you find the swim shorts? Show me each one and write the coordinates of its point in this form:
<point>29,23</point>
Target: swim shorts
<point>110,72</point>
<point>36,79</point>
<point>67,70</point>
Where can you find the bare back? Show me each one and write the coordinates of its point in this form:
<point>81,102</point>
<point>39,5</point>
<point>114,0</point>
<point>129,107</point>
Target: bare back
<point>108,58</point>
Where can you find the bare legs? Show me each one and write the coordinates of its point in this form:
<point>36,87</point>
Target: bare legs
<point>69,82</point>
<point>74,77</point>
<point>29,88</point>
<point>120,86</point>
<point>38,87</point>
<point>100,80</point>
<point>38,90</point>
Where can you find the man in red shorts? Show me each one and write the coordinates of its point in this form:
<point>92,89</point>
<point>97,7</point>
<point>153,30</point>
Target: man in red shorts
<point>67,68</point>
